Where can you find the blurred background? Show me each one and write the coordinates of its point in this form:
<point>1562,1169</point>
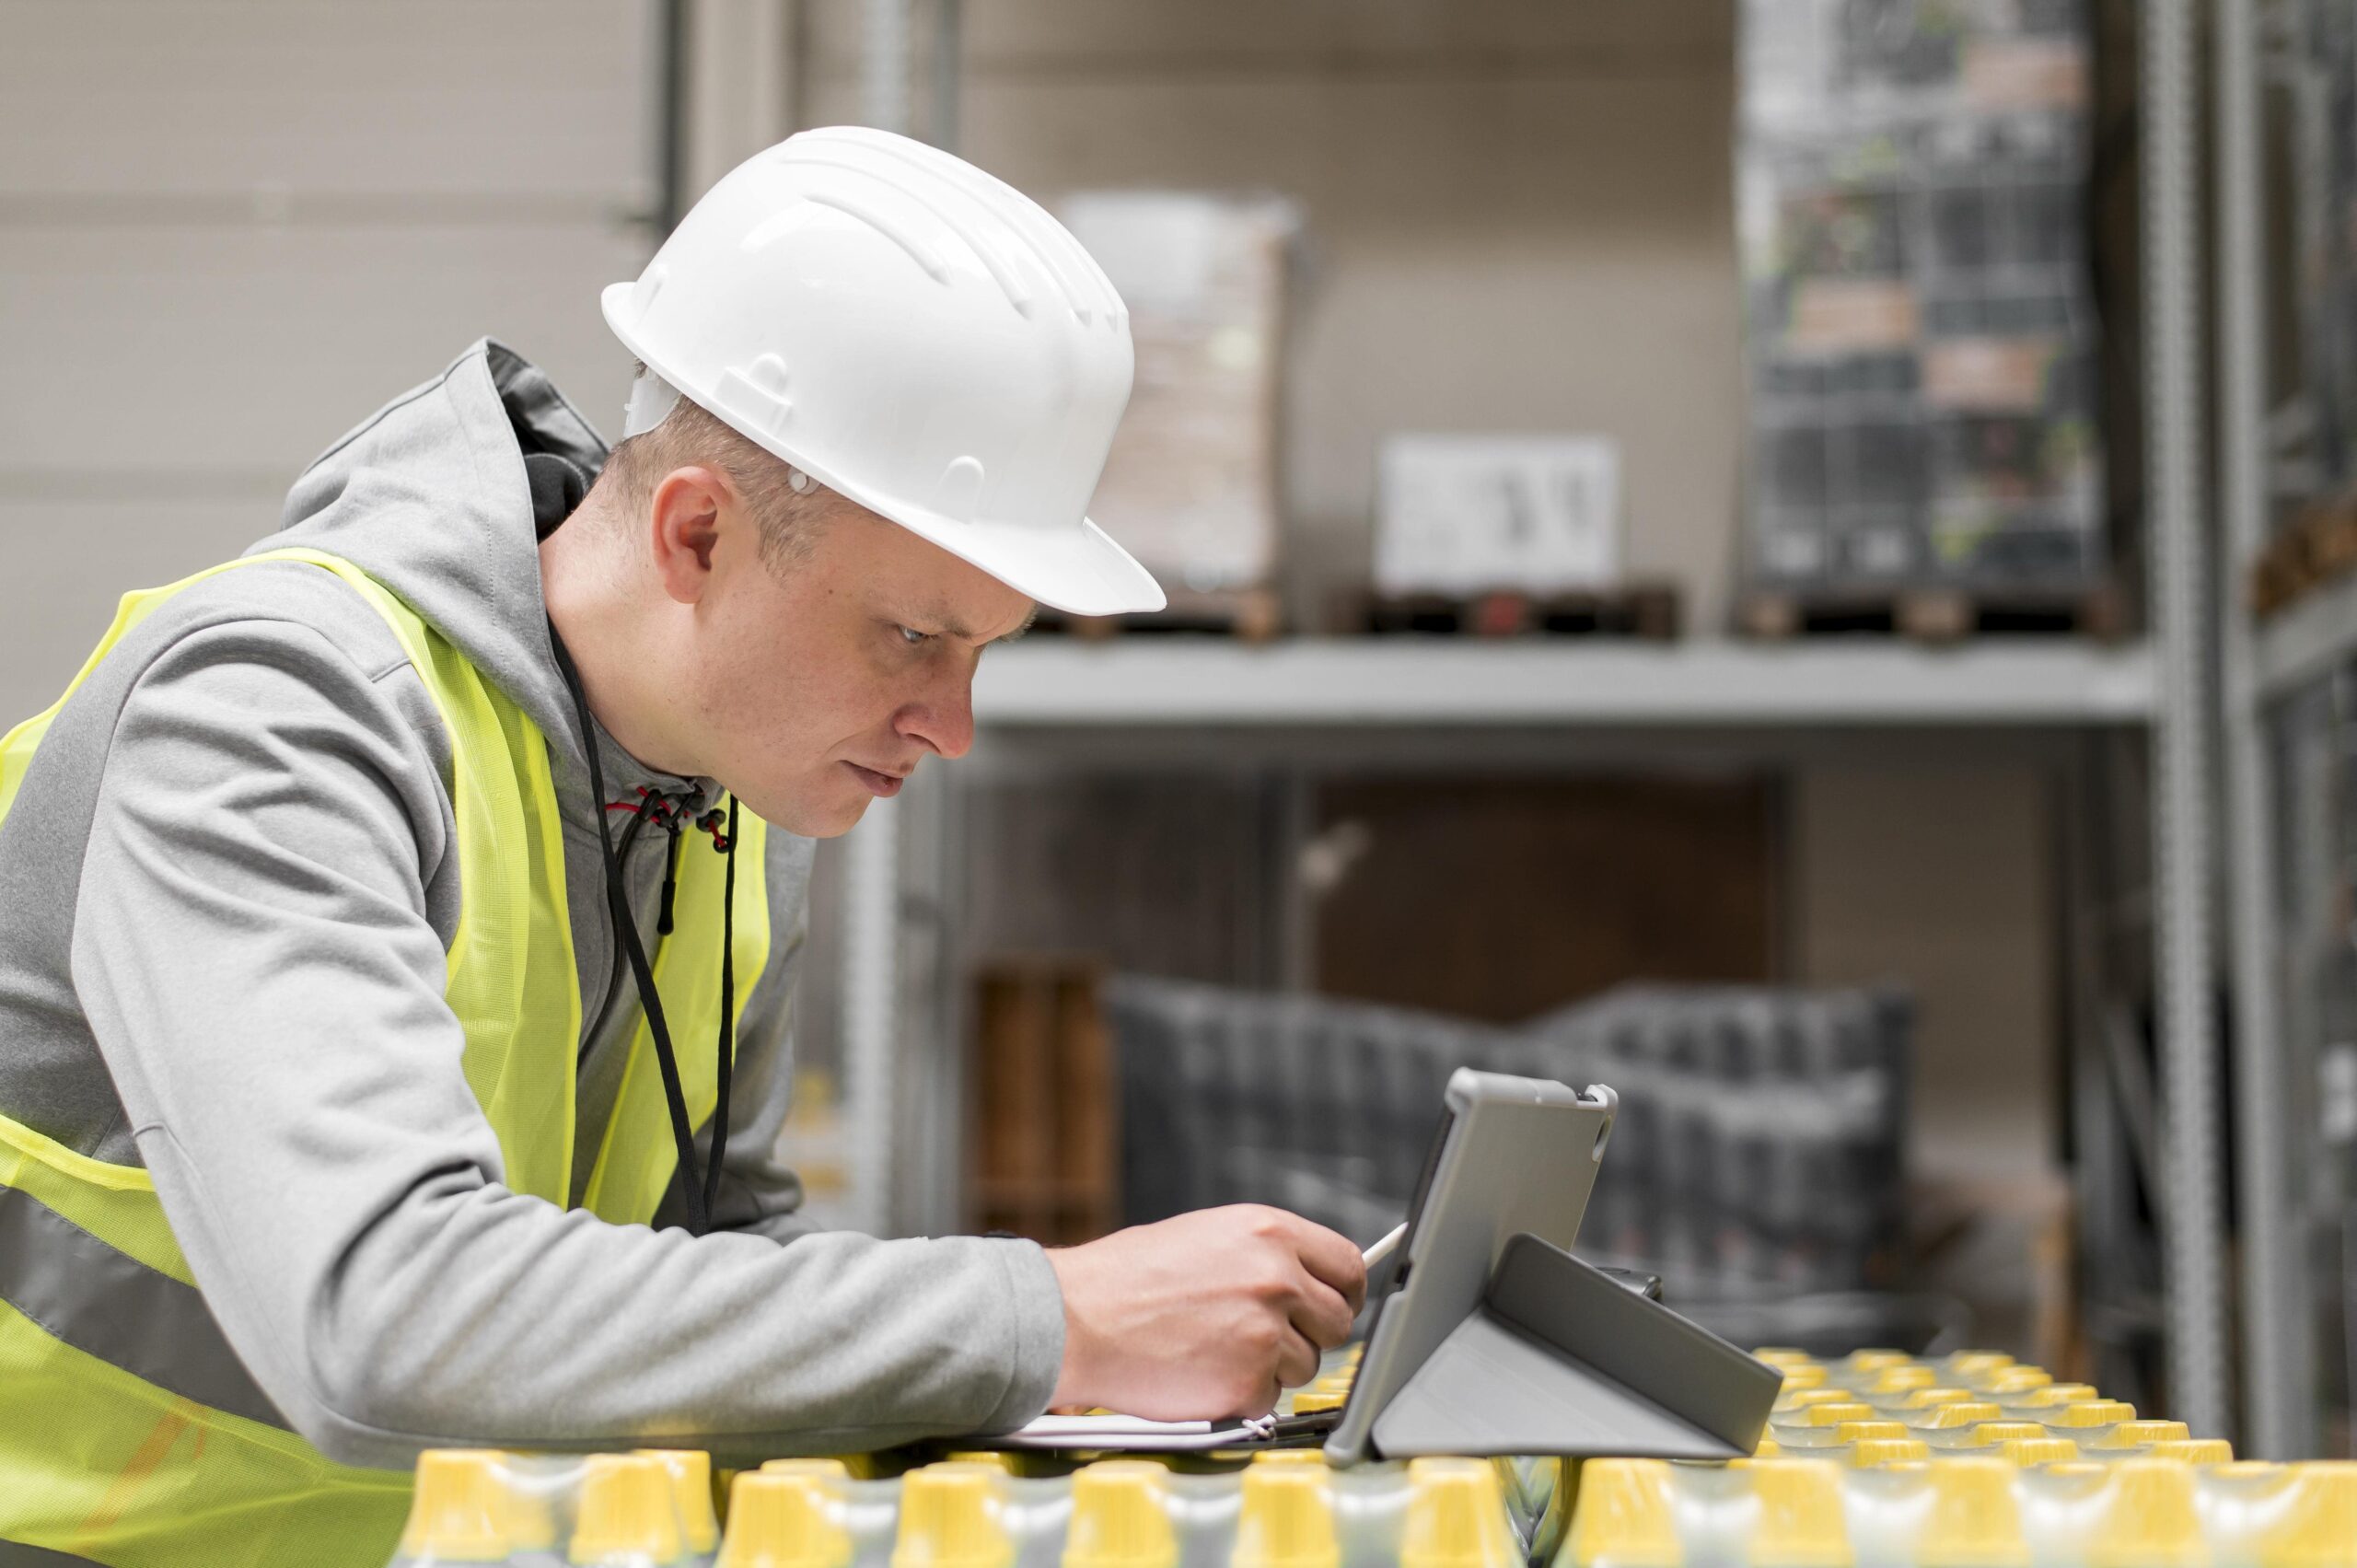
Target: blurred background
<point>1786,557</point>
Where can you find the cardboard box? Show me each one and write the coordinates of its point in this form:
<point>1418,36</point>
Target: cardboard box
<point>1465,514</point>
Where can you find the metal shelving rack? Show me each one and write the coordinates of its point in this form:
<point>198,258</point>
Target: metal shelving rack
<point>1389,696</point>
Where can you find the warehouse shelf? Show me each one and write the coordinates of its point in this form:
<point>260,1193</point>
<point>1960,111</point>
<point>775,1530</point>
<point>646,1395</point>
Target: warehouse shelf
<point>1158,681</point>
<point>2312,637</point>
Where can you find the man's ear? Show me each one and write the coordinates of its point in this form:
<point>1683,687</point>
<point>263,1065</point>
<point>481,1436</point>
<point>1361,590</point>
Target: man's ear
<point>683,526</point>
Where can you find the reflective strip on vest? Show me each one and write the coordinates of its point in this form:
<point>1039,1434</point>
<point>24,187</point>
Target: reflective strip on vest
<point>119,1309</point>
<point>153,1446</point>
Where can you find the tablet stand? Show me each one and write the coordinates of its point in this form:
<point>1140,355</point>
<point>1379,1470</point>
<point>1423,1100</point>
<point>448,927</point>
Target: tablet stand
<point>1558,1358</point>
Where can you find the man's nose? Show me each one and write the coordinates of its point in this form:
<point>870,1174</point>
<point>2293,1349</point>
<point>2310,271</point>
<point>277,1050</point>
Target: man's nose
<point>945,721</point>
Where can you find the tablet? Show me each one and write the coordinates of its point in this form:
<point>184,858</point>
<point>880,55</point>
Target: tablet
<point>1512,1156</point>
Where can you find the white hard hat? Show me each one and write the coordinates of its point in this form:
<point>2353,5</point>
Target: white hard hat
<point>914,334</point>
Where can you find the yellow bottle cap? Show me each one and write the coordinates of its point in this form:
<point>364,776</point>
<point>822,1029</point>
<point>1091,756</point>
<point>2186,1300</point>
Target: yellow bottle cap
<point>1870,1452</point>
<point>2048,1396</point>
<point>626,1510</point>
<point>2017,1381</point>
<point>2005,1431</point>
<point>1833,1413</point>
<point>2137,1433</point>
<point>1309,1399</point>
<point>1783,1355</point>
<point>2319,1526</point>
<point>996,1458</point>
<point>458,1511</point>
<point>952,1516</point>
<point>1969,1365</point>
<point>1974,1521</point>
<point>1799,1524</point>
<point>1626,1517</point>
<point>1456,1517</point>
<point>1286,1520</point>
<point>1867,1431</point>
<point>2023,1453</point>
<point>1924,1399</point>
<point>2149,1520</point>
<point>1952,1416</point>
<point>691,1494</point>
<point>2089,1412</point>
<point>1897,1380</point>
<point>824,1468</point>
<point>1801,1398</point>
<point>786,1518</point>
<point>1120,1517</point>
<point>2194,1451</point>
<point>1806,1377</point>
<point>1316,1457</point>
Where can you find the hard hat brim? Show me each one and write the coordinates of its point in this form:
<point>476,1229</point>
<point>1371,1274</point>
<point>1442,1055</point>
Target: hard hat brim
<point>1078,571</point>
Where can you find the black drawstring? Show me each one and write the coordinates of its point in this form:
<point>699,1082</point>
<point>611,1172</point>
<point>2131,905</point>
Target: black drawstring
<point>670,878</point>
<point>626,931</point>
<point>727,1048</point>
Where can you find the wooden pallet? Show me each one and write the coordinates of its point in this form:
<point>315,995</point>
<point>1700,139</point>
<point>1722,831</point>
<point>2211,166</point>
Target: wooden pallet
<point>1932,614</point>
<point>1650,610</point>
<point>1045,1149</point>
<point>1250,615</point>
<point>2318,545</point>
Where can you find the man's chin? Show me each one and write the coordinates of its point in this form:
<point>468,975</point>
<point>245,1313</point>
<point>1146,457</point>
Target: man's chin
<point>829,818</point>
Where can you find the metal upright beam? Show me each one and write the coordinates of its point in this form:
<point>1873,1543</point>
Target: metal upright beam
<point>871,1012</point>
<point>2192,1246</point>
<point>2278,1376</point>
<point>884,66</point>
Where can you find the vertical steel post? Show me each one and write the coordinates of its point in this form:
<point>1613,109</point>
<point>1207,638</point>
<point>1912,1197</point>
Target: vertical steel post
<point>948,72</point>
<point>2192,1251</point>
<point>2278,1377</point>
<point>884,66</point>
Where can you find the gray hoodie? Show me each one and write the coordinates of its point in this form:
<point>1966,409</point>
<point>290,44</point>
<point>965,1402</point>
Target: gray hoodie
<point>226,889</point>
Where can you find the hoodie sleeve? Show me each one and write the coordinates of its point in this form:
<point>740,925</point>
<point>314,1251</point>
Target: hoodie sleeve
<point>253,950</point>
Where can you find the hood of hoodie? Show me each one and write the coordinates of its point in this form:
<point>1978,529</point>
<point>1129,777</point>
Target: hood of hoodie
<point>435,496</point>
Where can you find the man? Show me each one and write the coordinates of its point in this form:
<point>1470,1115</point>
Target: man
<point>400,923</point>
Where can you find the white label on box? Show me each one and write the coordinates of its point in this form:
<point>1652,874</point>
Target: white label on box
<point>1472,513</point>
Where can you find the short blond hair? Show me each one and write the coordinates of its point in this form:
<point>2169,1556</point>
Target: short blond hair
<point>691,435</point>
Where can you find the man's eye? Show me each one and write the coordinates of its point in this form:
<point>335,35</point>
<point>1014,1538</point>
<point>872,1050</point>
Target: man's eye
<point>913,637</point>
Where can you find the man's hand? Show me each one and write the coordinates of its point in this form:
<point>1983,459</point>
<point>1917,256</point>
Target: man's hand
<point>1205,1316</point>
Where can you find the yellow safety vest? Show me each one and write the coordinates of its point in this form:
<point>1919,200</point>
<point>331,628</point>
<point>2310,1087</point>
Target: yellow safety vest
<point>131,1435</point>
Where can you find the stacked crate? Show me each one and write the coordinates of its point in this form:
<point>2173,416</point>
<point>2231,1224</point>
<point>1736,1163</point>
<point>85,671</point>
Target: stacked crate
<point>1760,1148</point>
<point>1910,178</point>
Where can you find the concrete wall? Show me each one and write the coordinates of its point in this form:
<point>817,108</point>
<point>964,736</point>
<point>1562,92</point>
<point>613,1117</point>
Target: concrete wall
<point>228,231</point>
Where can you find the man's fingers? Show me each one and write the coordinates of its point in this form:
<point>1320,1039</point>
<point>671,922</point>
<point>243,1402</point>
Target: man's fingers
<point>1331,1257</point>
<point>1319,1313</point>
<point>1296,1360</point>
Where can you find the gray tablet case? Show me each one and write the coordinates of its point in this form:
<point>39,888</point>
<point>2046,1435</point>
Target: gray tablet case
<point>1490,1338</point>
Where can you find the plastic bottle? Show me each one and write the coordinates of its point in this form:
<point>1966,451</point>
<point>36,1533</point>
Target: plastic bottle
<point>2024,1453</point>
<point>2200,1451</point>
<point>1974,1521</point>
<point>1805,1376</point>
<point>1120,1515</point>
<point>1800,1522</point>
<point>2063,1509</point>
<point>2136,1437</point>
<point>458,1512</point>
<point>627,1517</point>
<point>1816,1425</point>
<point>1626,1518</point>
<point>1286,1520</point>
<point>1951,1425</point>
<point>2088,1421</point>
<point>953,1515</point>
<point>1888,1389</point>
<point>2151,1519</point>
<point>1456,1517</point>
<point>1991,1433</point>
<point>1929,1399</point>
<point>781,1518</point>
<point>2037,1404</point>
<point>1974,1368</point>
<point>2316,1525</point>
<point>2015,1381</point>
<point>1801,1399</point>
<point>1887,1504</point>
<point>690,1472</point>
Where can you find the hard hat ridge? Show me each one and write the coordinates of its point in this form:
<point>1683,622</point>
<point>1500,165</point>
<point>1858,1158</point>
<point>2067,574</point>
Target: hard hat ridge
<point>884,317</point>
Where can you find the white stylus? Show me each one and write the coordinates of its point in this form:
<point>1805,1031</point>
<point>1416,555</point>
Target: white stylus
<point>1382,1249</point>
